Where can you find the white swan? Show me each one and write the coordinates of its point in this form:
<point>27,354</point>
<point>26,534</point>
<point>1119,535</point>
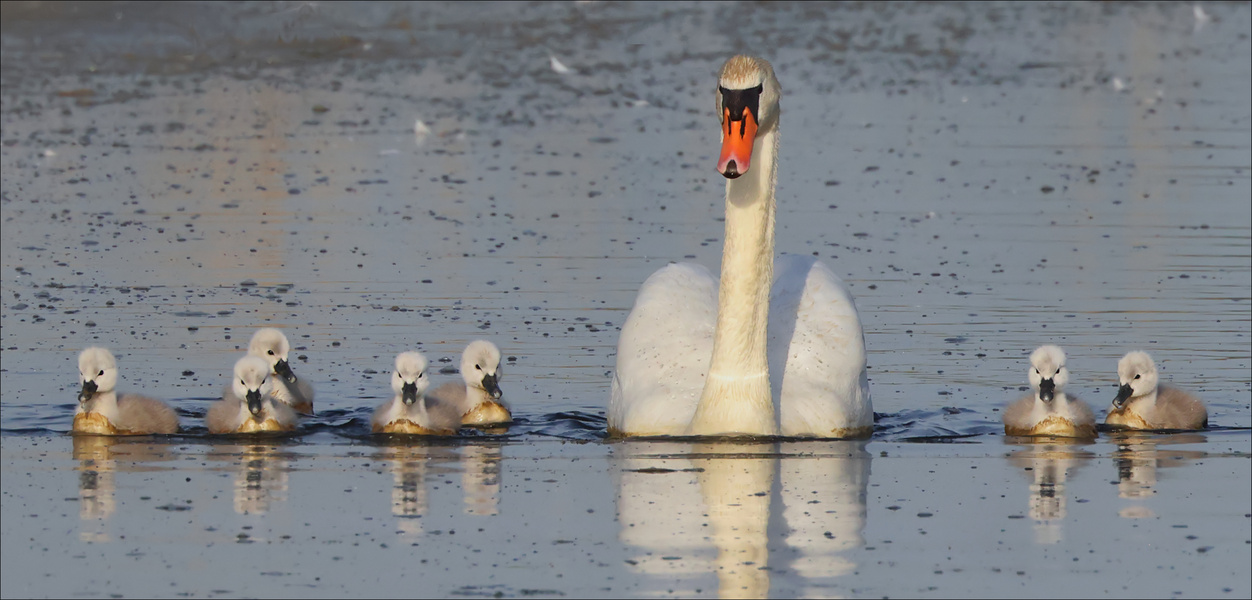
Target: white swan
<point>696,360</point>
<point>478,398</point>
<point>410,411</point>
<point>247,406</point>
<point>271,345</point>
<point>1143,403</point>
<point>1048,410</point>
<point>102,411</point>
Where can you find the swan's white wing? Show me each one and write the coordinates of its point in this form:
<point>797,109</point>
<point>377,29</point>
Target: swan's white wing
<point>664,352</point>
<point>814,330</point>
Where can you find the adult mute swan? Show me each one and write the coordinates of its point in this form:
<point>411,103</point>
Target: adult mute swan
<point>1143,403</point>
<point>1048,410</point>
<point>102,411</point>
<point>694,359</point>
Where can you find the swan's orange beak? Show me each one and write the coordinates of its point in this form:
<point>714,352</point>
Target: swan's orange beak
<point>737,139</point>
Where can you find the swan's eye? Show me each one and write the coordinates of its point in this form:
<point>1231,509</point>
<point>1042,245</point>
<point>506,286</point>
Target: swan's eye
<point>1137,376</point>
<point>101,374</point>
<point>1037,371</point>
<point>271,352</point>
<point>478,367</point>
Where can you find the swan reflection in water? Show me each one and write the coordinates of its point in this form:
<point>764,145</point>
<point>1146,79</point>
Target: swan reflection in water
<point>415,466</point>
<point>1048,463</point>
<point>261,472</point>
<point>694,509</point>
<point>480,481</point>
<point>1137,459</point>
<point>100,458</point>
<point>96,488</point>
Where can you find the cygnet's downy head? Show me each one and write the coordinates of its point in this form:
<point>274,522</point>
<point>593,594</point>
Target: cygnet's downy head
<point>1137,374</point>
<point>480,366</point>
<point>97,371</point>
<point>1048,374</point>
<point>747,102</point>
<point>251,373</point>
<point>271,345</point>
<point>409,380</point>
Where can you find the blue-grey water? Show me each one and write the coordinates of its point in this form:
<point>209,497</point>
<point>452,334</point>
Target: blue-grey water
<point>383,177</point>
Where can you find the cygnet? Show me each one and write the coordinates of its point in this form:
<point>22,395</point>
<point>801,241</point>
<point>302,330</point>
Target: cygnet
<point>271,345</point>
<point>1049,410</point>
<point>102,411</point>
<point>478,398</point>
<point>409,411</point>
<point>247,406</point>
<point>1142,402</point>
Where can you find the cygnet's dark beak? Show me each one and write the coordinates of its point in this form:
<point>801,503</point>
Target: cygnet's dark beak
<point>408,393</point>
<point>1123,394</point>
<point>493,389</point>
<point>282,368</point>
<point>254,402</point>
<point>1047,390</point>
<point>89,390</point>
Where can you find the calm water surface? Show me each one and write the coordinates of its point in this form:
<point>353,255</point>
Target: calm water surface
<point>373,179</point>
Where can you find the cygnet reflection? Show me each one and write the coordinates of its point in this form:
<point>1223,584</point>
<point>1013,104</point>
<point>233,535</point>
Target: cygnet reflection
<point>417,466</point>
<point>481,479</point>
<point>261,475</point>
<point>1048,467</point>
<point>1138,458</point>
<point>100,460</point>
<point>409,467</point>
<point>96,488</point>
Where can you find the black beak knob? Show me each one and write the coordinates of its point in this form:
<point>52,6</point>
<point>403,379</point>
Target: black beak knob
<point>89,390</point>
<point>1123,394</point>
<point>283,369</point>
<point>1047,390</point>
<point>493,389</point>
<point>254,402</point>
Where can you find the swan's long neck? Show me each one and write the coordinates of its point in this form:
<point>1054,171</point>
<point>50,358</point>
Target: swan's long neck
<point>736,397</point>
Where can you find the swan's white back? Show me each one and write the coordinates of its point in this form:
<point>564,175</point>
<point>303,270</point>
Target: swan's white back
<point>664,352</point>
<point>816,352</point>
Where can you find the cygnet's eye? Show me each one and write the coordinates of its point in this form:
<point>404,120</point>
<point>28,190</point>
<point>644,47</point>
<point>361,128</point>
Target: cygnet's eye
<point>101,374</point>
<point>421,375</point>
<point>1137,376</point>
<point>478,367</point>
<point>271,352</point>
<point>1037,371</point>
